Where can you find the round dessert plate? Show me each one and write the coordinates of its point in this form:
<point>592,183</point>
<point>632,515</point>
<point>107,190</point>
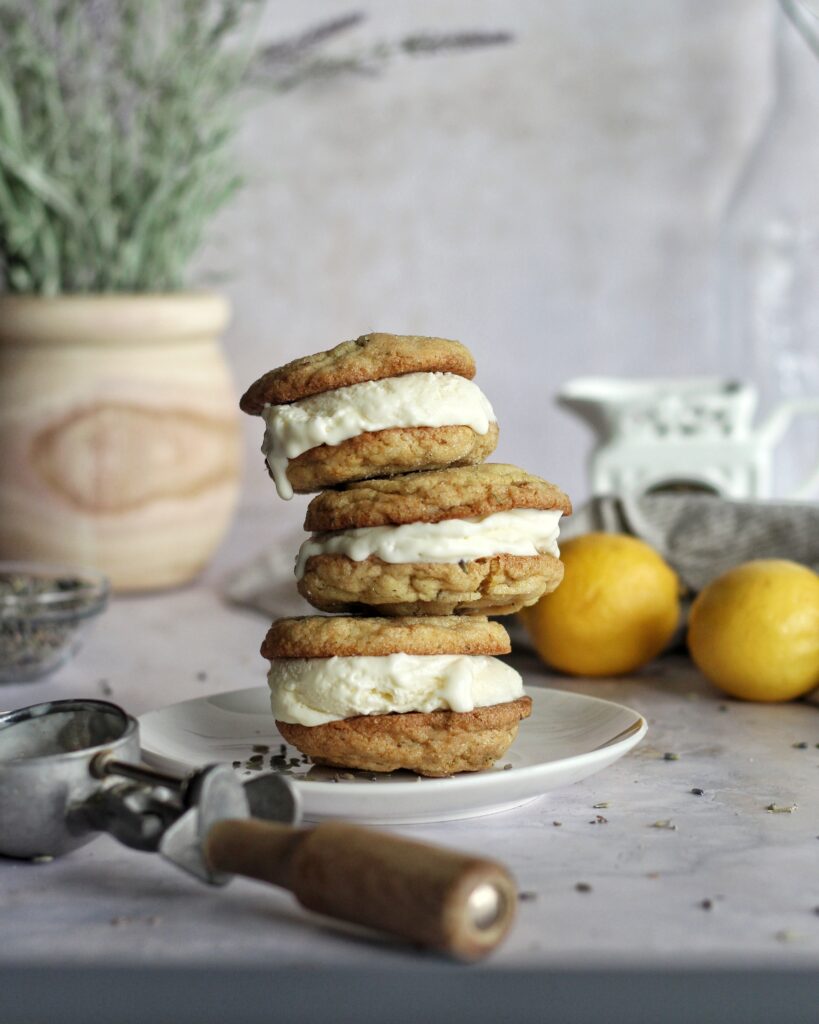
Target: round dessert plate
<point>567,738</point>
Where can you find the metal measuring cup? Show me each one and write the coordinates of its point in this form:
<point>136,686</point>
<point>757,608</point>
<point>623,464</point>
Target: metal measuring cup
<point>71,768</point>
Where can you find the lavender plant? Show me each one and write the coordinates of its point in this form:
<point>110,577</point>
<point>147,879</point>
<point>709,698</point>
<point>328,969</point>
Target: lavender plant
<point>116,123</point>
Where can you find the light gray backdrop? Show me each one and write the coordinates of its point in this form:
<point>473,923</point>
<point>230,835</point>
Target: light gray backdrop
<point>552,203</point>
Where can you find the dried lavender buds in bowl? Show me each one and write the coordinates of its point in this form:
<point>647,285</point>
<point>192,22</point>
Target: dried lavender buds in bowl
<point>44,609</point>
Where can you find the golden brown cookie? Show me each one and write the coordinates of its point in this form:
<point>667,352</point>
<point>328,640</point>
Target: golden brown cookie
<point>320,636</point>
<point>370,357</point>
<point>388,452</point>
<point>436,743</point>
<point>500,585</point>
<point>455,493</point>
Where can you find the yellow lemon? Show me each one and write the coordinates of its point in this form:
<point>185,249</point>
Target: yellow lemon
<point>616,609</point>
<point>754,632</point>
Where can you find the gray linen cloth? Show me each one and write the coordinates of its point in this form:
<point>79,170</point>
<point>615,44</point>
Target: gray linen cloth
<point>702,536</point>
<point>267,583</point>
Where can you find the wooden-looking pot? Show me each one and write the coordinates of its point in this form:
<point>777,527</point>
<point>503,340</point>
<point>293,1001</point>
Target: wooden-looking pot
<point>119,434</point>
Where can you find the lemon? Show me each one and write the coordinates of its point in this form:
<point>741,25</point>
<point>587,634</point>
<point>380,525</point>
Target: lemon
<point>616,609</point>
<point>754,632</point>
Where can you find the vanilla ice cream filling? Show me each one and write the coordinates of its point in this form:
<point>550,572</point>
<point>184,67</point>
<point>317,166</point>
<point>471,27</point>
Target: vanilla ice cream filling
<point>520,531</point>
<point>413,400</point>
<point>314,691</point>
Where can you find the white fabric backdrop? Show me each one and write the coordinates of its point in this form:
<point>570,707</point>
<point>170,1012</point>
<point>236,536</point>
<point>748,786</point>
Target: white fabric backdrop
<point>552,203</point>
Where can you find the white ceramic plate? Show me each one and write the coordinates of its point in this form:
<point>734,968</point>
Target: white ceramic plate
<point>567,737</point>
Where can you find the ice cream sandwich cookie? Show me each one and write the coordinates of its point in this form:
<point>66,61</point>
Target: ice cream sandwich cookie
<point>425,694</point>
<point>478,539</point>
<point>380,405</point>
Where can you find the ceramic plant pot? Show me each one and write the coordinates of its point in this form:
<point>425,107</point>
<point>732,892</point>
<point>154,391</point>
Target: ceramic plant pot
<point>119,434</point>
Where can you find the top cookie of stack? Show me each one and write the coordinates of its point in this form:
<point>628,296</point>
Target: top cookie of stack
<point>381,405</point>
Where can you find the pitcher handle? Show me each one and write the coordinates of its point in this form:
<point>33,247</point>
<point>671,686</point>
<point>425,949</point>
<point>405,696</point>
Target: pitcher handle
<point>777,425</point>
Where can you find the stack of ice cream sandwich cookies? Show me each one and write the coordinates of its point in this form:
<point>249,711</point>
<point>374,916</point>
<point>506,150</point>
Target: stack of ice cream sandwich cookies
<point>415,540</point>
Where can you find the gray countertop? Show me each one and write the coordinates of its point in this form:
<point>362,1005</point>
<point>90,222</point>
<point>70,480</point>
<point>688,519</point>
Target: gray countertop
<point>732,888</point>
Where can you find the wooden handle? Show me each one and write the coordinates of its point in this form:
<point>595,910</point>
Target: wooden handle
<point>452,902</point>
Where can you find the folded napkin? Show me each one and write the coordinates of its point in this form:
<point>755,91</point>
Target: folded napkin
<point>702,536</point>
<point>267,583</point>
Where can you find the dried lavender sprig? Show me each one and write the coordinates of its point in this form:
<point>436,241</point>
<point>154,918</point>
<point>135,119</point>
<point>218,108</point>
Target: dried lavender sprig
<point>430,43</point>
<point>287,50</point>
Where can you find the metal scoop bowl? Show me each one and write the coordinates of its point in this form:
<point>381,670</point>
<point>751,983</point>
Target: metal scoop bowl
<point>70,769</point>
<point>45,757</point>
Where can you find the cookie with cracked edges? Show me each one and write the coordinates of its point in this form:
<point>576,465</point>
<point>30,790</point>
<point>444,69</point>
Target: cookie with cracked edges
<point>387,453</point>
<point>370,357</point>
<point>323,636</point>
<point>500,585</point>
<point>429,497</point>
<point>435,743</point>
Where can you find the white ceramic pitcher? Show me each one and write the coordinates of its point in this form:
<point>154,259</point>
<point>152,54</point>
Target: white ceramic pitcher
<point>694,432</point>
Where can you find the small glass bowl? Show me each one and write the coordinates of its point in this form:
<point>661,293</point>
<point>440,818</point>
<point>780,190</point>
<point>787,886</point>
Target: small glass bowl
<point>44,609</point>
